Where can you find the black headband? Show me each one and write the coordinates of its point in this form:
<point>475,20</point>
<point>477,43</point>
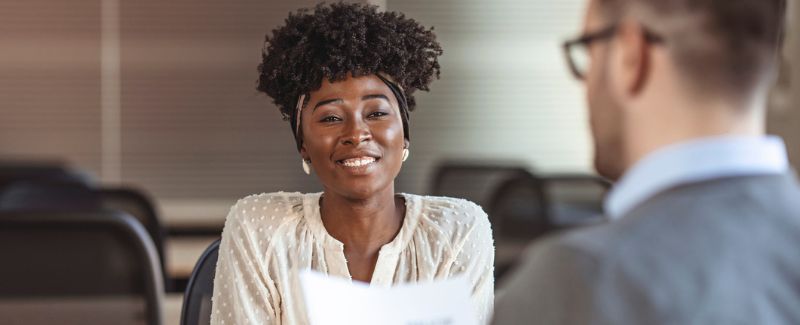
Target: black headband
<point>401,100</point>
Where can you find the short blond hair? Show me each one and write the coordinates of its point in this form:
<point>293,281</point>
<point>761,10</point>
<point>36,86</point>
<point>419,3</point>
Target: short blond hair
<point>726,45</point>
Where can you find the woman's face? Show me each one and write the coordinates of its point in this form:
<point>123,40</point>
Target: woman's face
<point>353,135</point>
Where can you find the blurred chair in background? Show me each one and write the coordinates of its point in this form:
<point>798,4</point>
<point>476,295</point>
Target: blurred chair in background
<point>517,210</point>
<point>474,181</point>
<point>522,206</point>
<point>66,196</point>
<point>574,199</point>
<point>197,299</point>
<point>526,207</point>
<point>137,204</point>
<point>77,268</point>
<point>12,172</point>
<point>48,195</point>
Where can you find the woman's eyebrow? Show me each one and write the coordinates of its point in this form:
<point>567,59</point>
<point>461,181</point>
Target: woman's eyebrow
<point>376,96</point>
<point>326,102</point>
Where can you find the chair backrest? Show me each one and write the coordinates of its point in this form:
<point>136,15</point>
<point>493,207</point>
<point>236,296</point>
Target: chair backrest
<point>197,299</point>
<point>12,172</point>
<point>48,195</point>
<point>518,208</point>
<point>575,199</point>
<point>52,196</point>
<point>77,268</point>
<point>140,206</point>
<point>473,181</point>
<point>528,207</point>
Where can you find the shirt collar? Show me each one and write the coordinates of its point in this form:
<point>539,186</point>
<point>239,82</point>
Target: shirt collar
<point>695,161</point>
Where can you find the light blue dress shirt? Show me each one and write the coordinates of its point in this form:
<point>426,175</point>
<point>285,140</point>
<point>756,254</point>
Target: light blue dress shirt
<point>695,161</point>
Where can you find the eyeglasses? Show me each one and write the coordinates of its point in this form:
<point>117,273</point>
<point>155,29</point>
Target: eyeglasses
<point>577,50</point>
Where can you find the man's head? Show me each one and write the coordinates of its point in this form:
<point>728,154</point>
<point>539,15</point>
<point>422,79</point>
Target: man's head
<point>656,54</point>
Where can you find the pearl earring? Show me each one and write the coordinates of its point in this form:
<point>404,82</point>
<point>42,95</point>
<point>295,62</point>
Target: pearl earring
<point>306,167</point>
<point>405,154</point>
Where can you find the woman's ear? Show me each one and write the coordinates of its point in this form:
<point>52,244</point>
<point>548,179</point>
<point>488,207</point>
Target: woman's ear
<point>304,153</point>
<point>406,144</point>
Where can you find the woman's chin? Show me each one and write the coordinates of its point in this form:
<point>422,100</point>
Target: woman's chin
<point>359,186</point>
<point>358,192</point>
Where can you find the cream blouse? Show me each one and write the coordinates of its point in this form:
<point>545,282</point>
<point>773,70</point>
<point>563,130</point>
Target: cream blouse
<point>269,237</point>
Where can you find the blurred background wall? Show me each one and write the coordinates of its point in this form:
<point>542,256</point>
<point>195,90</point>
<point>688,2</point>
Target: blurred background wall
<point>784,115</point>
<point>161,94</point>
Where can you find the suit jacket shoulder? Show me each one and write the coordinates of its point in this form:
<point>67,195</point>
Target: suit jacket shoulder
<point>712,252</point>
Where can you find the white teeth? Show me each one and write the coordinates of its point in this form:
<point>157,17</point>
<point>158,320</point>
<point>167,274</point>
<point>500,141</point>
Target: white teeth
<point>358,162</point>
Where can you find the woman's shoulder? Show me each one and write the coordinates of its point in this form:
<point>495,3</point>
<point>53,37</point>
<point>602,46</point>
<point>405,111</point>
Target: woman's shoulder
<point>457,223</point>
<point>462,212</point>
<point>266,211</point>
<point>273,200</point>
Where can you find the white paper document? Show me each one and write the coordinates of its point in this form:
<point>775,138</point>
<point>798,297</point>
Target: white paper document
<point>333,301</point>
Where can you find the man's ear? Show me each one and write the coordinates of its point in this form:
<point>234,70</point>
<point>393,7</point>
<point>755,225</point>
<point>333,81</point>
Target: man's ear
<point>634,51</point>
<point>406,144</point>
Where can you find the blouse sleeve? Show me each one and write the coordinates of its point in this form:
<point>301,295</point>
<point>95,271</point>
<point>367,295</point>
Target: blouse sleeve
<point>242,283</point>
<point>476,261</point>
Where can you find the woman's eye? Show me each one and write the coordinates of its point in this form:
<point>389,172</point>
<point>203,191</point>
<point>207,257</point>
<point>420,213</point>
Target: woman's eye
<point>378,114</point>
<point>330,118</point>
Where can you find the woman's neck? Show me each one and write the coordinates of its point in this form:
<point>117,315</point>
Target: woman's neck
<point>363,225</point>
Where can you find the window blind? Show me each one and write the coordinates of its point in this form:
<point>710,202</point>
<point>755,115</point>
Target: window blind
<point>505,92</point>
<point>49,81</point>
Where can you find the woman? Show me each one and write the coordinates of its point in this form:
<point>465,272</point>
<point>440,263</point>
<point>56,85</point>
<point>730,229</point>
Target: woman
<point>343,75</point>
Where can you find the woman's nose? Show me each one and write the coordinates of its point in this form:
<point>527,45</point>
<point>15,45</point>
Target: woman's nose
<point>357,131</point>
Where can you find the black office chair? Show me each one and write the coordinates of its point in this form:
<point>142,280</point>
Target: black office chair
<point>60,196</point>
<point>197,299</point>
<point>575,199</point>
<point>12,172</point>
<point>77,268</point>
<point>48,195</point>
<point>140,206</point>
<point>518,212</point>
<point>474,181</point>
<point>527,207</point>
<point>518,208</point>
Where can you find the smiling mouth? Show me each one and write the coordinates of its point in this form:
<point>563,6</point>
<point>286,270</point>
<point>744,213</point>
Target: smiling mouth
<point>357,162</point>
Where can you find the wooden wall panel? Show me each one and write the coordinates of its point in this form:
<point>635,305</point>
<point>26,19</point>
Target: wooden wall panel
<point>49,81</point>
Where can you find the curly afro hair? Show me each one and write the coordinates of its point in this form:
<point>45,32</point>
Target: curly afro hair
<point>333,40</point>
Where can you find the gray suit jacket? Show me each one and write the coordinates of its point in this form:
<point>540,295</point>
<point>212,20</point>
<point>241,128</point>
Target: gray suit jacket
<point>720,252</point>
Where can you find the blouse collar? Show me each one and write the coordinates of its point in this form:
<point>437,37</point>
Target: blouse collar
<point>311,211</point>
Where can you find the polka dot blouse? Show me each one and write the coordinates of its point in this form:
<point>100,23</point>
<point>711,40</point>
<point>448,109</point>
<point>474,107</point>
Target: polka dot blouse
<point>268,238</point>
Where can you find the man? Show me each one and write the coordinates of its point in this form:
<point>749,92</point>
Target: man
<point>706,213</point>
